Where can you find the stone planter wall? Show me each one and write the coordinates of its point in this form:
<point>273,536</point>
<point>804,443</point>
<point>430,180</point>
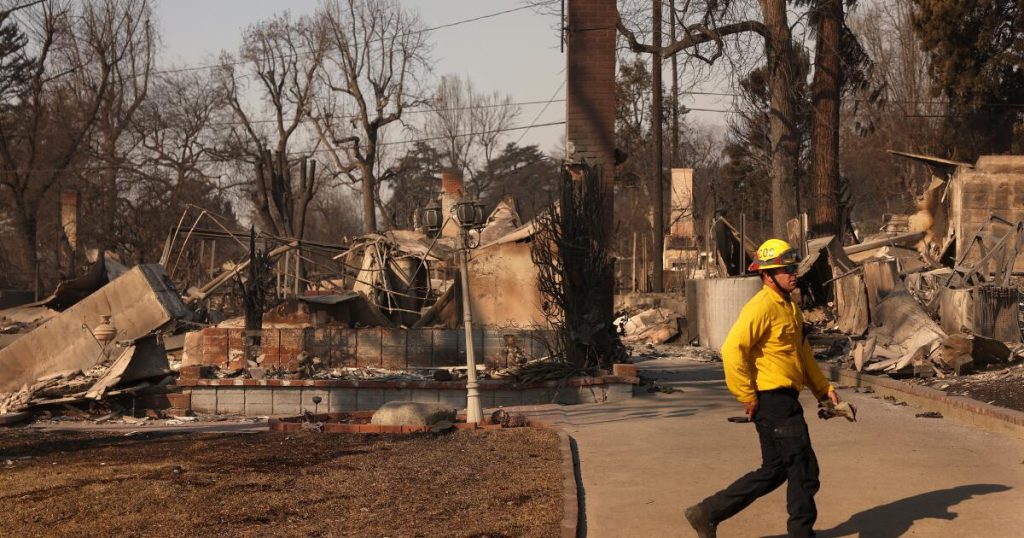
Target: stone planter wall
<point>276,397</point>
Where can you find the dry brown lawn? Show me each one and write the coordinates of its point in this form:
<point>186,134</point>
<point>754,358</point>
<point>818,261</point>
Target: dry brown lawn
<point>483,483</point>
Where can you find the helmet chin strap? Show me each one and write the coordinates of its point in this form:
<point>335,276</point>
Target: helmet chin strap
<point>783,292</point>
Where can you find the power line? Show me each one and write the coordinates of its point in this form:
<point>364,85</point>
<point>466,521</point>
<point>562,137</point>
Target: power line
<point>410,111</point>
<point>900,101</point>
<point>297,53</point>
<point>292,154</point>
<point>406,34</point>
<point>539,114</point>
<point>350,116</point>
<point>519,128</point>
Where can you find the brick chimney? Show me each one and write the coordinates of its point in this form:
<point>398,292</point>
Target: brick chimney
<point>452,190</point>
<point>682,203</point>
<point>590,75</point>
<point>590,91</point>
<point>70,215</point>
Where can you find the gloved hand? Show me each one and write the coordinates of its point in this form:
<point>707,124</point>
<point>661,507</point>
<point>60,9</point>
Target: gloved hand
<point>827,410</point>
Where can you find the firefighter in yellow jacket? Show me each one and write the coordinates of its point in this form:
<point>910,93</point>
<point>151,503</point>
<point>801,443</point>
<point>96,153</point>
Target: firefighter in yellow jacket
<point>767,363</point>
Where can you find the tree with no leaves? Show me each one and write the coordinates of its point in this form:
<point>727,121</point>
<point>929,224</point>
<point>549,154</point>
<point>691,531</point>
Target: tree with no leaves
<point>376,51</point>
<point>469,126</point>
<point>174,163</point>
<point>47,127</point>
<point>118,34</point>
<point>284,56</point>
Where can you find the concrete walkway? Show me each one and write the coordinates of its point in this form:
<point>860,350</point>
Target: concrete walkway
<point>888,475</point>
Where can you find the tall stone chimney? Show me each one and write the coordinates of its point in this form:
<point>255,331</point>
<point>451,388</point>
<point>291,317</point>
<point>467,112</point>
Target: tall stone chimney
<point>452,189</point>
<point>590,90</point>
<point>682,204</point>
<point>70,214</point>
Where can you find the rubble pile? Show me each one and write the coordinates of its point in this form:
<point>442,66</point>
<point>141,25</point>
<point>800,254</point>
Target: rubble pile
<point>311,368</point>
<point>54,388</point>
<point>96,337</point>
<point>117,331</point>
<point>936,300</point>
<point>541,369</point>
<point>929,323</point>
<point>650,326</point>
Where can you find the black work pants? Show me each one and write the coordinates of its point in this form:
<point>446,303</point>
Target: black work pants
<point>786,456</point>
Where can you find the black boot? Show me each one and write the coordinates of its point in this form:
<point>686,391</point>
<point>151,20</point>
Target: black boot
<point>699,520</point>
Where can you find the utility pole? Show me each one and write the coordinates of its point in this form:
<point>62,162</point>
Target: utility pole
<point>659,190</point>
<point>673,159</point>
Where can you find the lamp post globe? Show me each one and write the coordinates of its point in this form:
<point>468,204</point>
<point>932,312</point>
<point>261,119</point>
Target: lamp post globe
<point>433,220</point>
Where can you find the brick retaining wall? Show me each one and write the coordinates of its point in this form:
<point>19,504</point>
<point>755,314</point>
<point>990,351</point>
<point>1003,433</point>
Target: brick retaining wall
<point>338,347</point>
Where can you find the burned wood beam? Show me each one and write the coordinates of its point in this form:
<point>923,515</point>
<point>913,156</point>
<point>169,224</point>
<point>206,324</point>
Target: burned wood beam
<point>911,237</point>
<point>212,285</point>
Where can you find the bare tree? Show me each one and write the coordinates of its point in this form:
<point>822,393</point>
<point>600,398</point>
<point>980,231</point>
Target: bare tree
<point>491,116</point>
<point>284,56</point>
<point>44,130</point>
<point>175,130</point>
<point>117,37</point>
<point>906,118</point>
<point>377,51</point>
<point>450,121</point>
<point>174,165</point>
<point>470,127</point>
<point>703,27</point>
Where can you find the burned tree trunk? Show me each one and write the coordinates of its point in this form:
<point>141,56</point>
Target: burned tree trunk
<point>659,150</point>
<point>254,296</point>
<point>783,136</point>
<point>576,273</point>
<point>825,94</point>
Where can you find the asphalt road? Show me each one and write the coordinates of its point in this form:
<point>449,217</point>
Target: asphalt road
<point>890,474</point>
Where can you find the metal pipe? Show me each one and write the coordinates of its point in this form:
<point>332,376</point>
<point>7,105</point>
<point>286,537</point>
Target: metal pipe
<point>298,268</point>
<point>743,244</point>
<point>213,256</point>
<point>896,240</point>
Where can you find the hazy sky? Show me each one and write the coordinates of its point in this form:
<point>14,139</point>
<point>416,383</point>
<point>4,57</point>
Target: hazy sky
<point>517,53</point>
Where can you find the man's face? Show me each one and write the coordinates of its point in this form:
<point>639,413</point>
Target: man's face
<point>786,277</point>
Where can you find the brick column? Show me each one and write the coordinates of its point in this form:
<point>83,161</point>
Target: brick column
<point>590,119</point>
<point>590,94</point>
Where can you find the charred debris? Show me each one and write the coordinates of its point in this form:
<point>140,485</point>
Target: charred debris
<point>934,294</point>
<point>112,341</point>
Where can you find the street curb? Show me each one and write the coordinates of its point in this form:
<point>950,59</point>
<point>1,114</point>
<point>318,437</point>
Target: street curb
<point>570,499</point>
<point>960,408</point>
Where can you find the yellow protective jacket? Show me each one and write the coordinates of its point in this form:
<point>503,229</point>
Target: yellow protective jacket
<point>766,350</point>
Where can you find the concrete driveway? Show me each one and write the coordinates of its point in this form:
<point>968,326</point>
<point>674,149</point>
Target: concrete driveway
<point>888,475</point>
